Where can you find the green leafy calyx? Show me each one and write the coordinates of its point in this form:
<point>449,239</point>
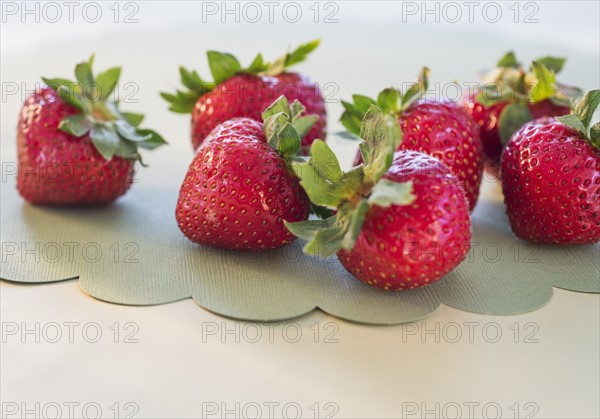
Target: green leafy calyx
<point>350,193</point>
<point>511,84</point>
<point>391,101</point>
<point>224,66</point>
<point>112,131</point>
<point>285,126</point>
<point>580,119</point>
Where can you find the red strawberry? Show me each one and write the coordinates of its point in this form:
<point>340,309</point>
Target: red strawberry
<point>551,178</point>
<point>439,128</point>
<point>238,190</point>
<point>403,247</point>
<point>511,97</point>
<point>401,223</point>
<point>74,145</point>
<point>247,92</point>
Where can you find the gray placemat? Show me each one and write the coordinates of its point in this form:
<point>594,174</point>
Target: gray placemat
<point>131,252</point>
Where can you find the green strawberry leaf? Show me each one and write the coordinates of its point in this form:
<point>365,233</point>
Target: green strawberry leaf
<point>587,106</point>
<point>356,219</point>
<point>76,125</point>
<point>85,79</point>
<point>326,242</point>
<point>389,100</point>
<point>258,65</point>
<point>382,137</point>
<point>288,141</point>
<point>386,193</point>
<point>71,95</point>
<point>184,102</point>
<point>320,191</point>
<point>554,64</point>
<point>362,103</point>
<point>303,124</point>
<point>280,105</point>
<point>573,121</point>
<point>297,108</point>
<point>300,53</point>
<point>509,60</point>
<point>106,81</point>
<point>105,139</point>
<point>545,85</point>
<point>595,135</point>
<point>272,126</point>
<point>55,83</point>
<point>191,79</point>
<point>129,132</point>
<point>351,118</point>
<point>513,117</point>
<point>181,102</point>
<point>153,142</point>
<point>325,161</point>
<point>416,90</point>
<point>127,150</point>
<point>491,94</point>
<point>306,230</point>
<point>222,65</point>
<point>134,119</point>
<point>581,117</point>
<point>83,74</point>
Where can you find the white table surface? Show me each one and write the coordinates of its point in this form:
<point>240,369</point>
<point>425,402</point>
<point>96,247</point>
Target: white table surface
<point>182,361</point>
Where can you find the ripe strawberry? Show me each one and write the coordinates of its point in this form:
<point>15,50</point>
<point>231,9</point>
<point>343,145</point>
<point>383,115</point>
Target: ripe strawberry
<point>551,177</point>
<point>510,97</point>
<point>74,145</point>
<point>247,92</point>
<point>438,128</point>
<point>238,190</point>
<point>402,219</point>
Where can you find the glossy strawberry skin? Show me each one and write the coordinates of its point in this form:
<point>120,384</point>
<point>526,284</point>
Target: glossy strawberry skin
<point>551,184</point>
<point>247,95</point>
<point>56,168</point>
<point>238,191</point>
<point>486,118</point>
<point>445,131</point>
<point>404,247</point>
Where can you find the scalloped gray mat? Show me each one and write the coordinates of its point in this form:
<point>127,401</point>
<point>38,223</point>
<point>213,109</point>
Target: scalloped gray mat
<point>131,252</point>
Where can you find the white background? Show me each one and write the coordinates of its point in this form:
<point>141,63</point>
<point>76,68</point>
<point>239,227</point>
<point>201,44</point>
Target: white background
<point>177,367</point>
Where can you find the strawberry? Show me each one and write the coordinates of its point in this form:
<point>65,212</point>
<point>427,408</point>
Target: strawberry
<point>439,128</point>
<point>239,190</point>
<point>551,177</point>
<point>510,97</point>
<point>402,219</point>
<point>75,147</point>
<point>247,92</point>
